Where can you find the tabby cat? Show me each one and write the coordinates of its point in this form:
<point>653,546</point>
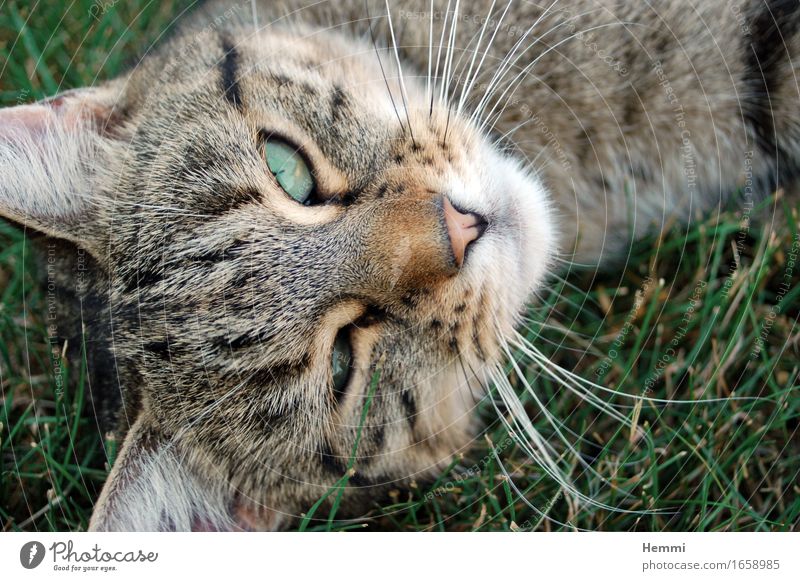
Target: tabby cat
<point>296,234</point>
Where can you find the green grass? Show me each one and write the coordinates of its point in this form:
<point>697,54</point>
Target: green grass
<point>730,465</point>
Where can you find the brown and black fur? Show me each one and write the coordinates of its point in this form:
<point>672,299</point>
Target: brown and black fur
<point>597,113</point>
<point>215,299</point>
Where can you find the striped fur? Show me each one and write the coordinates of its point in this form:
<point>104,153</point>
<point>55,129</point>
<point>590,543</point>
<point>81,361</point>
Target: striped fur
<point>572,126</point>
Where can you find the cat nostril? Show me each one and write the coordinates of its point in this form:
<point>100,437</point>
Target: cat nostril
<point>463,229</point>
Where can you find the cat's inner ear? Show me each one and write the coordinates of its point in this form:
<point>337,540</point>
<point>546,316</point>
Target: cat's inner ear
<point>51,153</point>
<point>152,488</point>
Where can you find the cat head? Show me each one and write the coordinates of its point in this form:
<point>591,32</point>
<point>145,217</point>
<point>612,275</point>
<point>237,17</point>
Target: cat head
<point>311,263</point>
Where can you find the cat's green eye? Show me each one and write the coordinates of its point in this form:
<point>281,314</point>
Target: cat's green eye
<point>290,169</point>
<point>341,361</point>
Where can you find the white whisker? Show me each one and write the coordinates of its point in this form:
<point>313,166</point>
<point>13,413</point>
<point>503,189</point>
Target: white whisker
<point>403,93</point>
<point>448,61</point>
<point>439,51</point>
<point>503,65</point>
<point>471,80</point>
<point>428,90</point>
<point>521,496</point>
<point>542,452</point>
<point>535,354</point>
<point>557,425</point>
<point>254,9</point>
<point>514,83</point>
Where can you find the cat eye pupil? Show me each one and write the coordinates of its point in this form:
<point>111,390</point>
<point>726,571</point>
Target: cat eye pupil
<point>341,362</point>
<point>290,169</point>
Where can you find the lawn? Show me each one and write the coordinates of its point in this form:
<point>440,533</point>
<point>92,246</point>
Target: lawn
<point>692,347</point>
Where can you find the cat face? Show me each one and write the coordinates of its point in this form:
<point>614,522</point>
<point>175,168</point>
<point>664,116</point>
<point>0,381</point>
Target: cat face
<point>305,256</point>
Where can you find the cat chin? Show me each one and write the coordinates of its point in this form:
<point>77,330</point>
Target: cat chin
<point>528,232</point>
<point>539,235</point>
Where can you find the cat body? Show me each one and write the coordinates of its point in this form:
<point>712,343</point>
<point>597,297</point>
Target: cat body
<point>456,158</point>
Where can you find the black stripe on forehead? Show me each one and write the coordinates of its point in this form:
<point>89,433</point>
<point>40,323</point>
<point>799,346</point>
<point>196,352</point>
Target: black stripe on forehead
<point>228,68</point>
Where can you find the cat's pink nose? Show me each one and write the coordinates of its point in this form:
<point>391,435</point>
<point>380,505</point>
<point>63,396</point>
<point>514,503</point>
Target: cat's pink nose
<point>463,228</point>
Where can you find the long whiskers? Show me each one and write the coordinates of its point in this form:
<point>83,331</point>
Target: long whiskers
<point>428,90</point>
<point>383,71</point>
<point>583,384</point>
<point>403,93</point>
<point>516,81</point>
<point>557,425</point>
<point>438,52</point>
<point>254,10</point>
<point>503,65</point>
<point>539,449</point>
<point>470,79</point>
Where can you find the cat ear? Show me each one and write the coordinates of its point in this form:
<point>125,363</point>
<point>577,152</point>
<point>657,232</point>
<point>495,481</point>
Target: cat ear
<point>49,153</point>
<point>151,488</point>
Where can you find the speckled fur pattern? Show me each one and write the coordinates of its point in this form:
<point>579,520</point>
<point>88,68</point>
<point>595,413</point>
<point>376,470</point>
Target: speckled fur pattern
<point>634,113</point>
<point>216,298</point>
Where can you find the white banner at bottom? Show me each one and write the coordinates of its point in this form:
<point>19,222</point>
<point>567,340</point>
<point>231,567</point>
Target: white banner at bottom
<point>618,556</point>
